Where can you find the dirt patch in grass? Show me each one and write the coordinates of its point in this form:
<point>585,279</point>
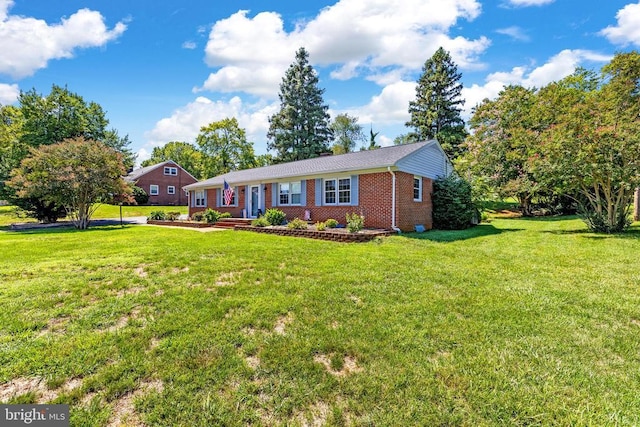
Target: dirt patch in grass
<point>316,416</point>
<point>176,270</point>
<point>282,323</point>
<point>130,291</point>
<point>55,326</point>
<point>252,361</point>
<point>226,279</point>
<point>37,386</point>
<point>123,321</point>
<point>124,413</point>
<point>140,271</point>
<point>349,365</point>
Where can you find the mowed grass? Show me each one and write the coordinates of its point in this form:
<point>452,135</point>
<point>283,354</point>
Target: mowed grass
<point>517,322</point>
<point>10,214</point>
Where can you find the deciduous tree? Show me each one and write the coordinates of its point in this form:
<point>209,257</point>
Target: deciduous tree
<point>300,130</point>
<point>225,148</point>
<point>76,173</point>
<point>346,133</point>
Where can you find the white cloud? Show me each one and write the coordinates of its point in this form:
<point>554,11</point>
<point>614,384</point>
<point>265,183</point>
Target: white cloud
<point>28,44</point>
<point>523,3</point>
<point>389,107</point>
<point>515,33</point>
<point>185,122</point>
<point>628,29</point>
<point>8,93</point>
<point>359,37</point>
<point>556,68</point>
<point>189,45</point>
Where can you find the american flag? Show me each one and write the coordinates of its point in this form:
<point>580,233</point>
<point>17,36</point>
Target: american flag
<point>228,193</point>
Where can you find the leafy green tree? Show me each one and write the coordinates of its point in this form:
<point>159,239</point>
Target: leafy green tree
<point>592,139</point>
<point>12,150</point>
<point>502,141</point>
<point>186,155</point>
<point>346,132</point>
<point>435,113</point>
<point>225,148</point>
<point>76,173</point>
<point>406,138</point>
<point>300,130</point>
<point>60,115</point>
<point>46,120</point>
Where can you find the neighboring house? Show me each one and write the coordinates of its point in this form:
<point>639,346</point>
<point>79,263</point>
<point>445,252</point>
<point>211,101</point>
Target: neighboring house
<point>390,186</point>
<point>163,183</point>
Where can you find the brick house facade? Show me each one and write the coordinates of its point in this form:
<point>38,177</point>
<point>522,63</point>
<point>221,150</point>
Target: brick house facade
<point>390,186</point>
<point>163,182</point>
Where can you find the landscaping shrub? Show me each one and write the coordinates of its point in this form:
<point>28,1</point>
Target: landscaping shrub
<point>197,216</point>
<point>172,216</point>
<point>211,216</point>
<point>225,215</point>
<point>453,208</point>
<point>275,216</point>
<point>600,223</point>
<point>321,226</point>
<point>355,222</point>
<point>298,224</point>
<point>157,216</point>
<point>331,223</point>
<point>140,196</point>
<point>260,222</point>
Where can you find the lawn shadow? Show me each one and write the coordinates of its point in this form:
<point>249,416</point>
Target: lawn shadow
<point>456,235</point>
<point>632,233</point>
<point>67,229</point>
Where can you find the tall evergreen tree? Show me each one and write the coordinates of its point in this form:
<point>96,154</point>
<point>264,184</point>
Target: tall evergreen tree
<point>301,129</point>
<point>435,113</point>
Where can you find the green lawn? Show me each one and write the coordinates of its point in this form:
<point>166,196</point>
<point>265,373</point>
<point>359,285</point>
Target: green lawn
<point>8,214</point>
<point>517,322</point>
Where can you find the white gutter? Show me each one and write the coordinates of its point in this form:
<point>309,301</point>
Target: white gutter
<point>393,201</point>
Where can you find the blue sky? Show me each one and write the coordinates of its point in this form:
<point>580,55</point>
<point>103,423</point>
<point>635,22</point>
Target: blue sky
<point>162,69</point>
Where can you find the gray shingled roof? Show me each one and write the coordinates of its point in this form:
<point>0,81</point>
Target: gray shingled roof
<point>359,160</point>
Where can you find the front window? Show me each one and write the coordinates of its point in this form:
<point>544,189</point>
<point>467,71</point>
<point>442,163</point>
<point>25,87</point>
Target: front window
<point>337,191</point>
<point>170,171</point>
<point>417,189</point>
<point>153,190</point>
<point>199,196</point>
<point>290,193</point>
<point>171,189</point>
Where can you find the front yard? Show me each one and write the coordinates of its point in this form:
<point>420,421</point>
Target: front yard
<point>516,322</point>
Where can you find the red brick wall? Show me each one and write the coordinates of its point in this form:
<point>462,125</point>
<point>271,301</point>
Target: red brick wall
<point>374,203</point>
<point>157,177</point>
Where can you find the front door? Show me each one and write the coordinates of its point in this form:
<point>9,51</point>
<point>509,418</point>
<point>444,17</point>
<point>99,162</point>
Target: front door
<point>255,200</point>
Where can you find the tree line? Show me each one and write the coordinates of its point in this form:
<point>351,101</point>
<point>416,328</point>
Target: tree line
<point>575,141</point>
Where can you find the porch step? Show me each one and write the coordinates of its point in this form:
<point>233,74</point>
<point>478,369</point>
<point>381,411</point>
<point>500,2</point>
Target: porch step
<point>232,222</point>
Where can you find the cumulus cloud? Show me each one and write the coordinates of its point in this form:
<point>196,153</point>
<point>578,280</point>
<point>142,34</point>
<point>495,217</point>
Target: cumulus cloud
<point>8,93</point>
<point>556,68</point>
<point>189,45</point>
<point>628,29</point>
<point>357,37</point>
<point>28,44</point>
<point>185,122</point>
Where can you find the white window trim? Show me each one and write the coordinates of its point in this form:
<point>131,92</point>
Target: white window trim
<point>200,202</point>
<point>337,191</point>
<point>172,171</point>
<point>419,178</point>
<point>157,188</point>
<point>290,194</point>
<point>171,189</point>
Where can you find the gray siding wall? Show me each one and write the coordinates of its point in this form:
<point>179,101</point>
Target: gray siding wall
<point>429,162</point>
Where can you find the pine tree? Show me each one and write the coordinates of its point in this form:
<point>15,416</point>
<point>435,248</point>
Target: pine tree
<point>435,113</point>
<point>301,129</point>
